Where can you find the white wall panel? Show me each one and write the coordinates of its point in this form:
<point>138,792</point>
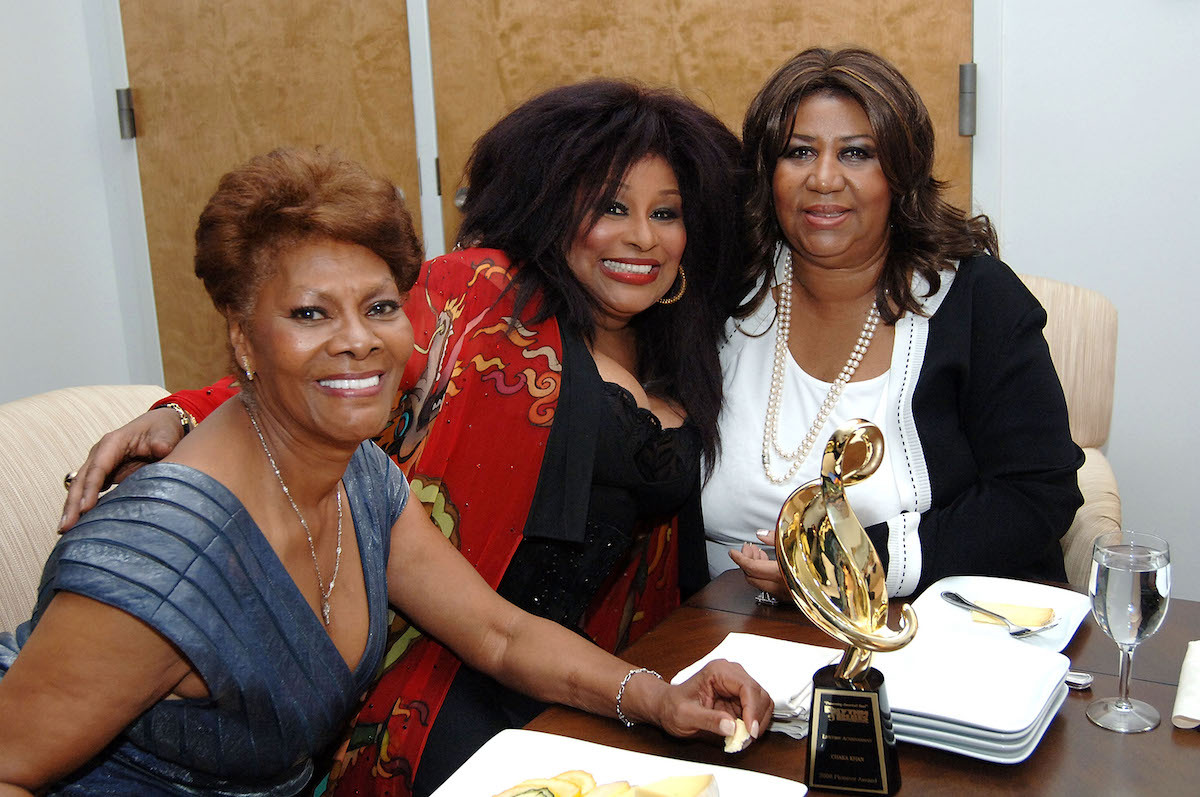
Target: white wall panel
<point>66,305</point>
<point>1087,159</point>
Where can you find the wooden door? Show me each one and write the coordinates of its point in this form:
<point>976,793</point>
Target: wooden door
<point>218,81</point>
<point>488,57</point>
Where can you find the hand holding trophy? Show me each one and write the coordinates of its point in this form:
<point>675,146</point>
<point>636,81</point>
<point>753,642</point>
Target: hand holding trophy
<point>837,579</point>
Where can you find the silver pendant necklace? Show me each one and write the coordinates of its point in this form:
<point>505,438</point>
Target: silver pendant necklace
<point>783,321</point>
<point>312,548</point>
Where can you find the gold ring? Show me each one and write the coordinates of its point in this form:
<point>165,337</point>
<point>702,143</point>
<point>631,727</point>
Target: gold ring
<point>70,477</point>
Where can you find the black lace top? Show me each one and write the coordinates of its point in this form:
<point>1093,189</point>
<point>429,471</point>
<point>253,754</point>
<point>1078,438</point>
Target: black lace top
<point>641,471</point>
<point>609,468</point>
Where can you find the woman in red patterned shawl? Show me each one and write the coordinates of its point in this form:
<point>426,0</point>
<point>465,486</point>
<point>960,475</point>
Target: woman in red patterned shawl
<point>561,399</point>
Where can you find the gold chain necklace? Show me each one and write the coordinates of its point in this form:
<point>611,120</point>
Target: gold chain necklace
<point>312,548</point>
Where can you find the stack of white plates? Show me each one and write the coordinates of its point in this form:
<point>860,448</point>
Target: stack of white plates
<point>969,687</point>
<point>989,699</point>
<point>961,686</point>
<point>1001,747</point>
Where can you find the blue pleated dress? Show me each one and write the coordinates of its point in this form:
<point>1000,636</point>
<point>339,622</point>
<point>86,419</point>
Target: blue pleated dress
<point>175,548</point>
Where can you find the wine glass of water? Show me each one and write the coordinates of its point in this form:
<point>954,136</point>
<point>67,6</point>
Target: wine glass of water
<point>1130,587</point>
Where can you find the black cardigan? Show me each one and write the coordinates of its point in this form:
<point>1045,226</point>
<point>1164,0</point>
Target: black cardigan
<point>995,442</point>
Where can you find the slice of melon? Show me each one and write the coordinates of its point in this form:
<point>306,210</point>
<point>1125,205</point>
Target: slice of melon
<point>554,787</point>
<point>526,791</point>
<point>620,788</point>
<point>679,786</point>
<point>582,779</point>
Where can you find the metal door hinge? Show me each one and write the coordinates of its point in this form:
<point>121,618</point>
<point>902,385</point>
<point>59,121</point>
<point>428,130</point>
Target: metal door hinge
<point>125,113</point>
<point>966,99</point>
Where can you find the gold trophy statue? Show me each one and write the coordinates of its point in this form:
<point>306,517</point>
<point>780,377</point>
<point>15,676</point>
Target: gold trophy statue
<point>836,578</point>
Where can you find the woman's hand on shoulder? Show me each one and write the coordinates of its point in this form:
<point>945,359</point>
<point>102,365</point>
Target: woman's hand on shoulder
<point>712,699</point>
<point>762,572</point>
<point>147,438</point>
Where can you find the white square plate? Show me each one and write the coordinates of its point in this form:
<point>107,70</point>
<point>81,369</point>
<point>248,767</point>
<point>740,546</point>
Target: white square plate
<point>515,755</point>
<point>997,685</point>
<point>935,616</point>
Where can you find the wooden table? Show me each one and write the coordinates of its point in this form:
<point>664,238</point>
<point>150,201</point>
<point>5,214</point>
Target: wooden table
<point>1074,757</point>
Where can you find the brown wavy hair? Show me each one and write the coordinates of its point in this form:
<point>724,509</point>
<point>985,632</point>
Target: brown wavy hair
<point>927,233</point>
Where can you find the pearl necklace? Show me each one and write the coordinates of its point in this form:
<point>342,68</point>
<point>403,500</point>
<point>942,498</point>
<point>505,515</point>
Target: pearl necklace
<point>312,548</point>
<point>775,399</point>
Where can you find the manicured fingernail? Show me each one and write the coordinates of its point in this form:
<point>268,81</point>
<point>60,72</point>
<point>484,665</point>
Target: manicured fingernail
<point>62,521</point>
<point>754,729</point>
<point>728,726</point>
<point>762,533</point>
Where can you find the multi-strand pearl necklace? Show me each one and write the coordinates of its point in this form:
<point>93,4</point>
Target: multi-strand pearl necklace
<point>312,548</point>
<point>783,322</point>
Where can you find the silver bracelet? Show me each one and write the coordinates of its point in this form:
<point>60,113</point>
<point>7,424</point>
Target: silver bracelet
<point>621,692</point>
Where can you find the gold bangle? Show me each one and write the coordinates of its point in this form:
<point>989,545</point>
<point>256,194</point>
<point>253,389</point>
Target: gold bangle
<point>185,418</point>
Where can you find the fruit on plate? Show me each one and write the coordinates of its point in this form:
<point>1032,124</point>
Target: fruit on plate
<point>577,783</point>
<point>679,786</point>
<point>543,787</point>
<point>620,788</point>
<point>583,780</point>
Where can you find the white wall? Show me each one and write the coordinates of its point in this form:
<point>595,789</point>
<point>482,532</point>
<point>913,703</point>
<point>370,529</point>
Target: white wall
<point>75,299</point>
<point>1087,159</point>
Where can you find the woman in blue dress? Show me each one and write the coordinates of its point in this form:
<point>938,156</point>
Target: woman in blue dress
<point>209,627</point>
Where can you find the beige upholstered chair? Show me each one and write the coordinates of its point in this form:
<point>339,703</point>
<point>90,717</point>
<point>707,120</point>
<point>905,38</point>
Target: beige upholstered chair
<point>1082,332</point>
<point>41,439</point>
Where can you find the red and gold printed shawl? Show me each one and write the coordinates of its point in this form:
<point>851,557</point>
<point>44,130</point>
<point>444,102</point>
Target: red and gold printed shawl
<point>470,428</point>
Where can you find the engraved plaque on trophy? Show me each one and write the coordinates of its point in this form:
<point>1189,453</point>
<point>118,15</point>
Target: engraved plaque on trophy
<point>836,578</point>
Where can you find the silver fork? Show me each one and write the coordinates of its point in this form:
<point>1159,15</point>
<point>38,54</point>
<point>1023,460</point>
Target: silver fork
<point>1014,630</point>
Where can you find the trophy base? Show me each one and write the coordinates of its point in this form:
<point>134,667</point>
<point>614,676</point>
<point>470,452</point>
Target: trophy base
<point>851,742</point>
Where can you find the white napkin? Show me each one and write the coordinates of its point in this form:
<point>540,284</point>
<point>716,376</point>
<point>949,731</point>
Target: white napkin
<point>783,668</point>
<point>1187,697</point>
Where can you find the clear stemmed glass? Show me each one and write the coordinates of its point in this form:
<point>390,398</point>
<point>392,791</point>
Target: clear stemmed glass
<point>1130,587</point>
